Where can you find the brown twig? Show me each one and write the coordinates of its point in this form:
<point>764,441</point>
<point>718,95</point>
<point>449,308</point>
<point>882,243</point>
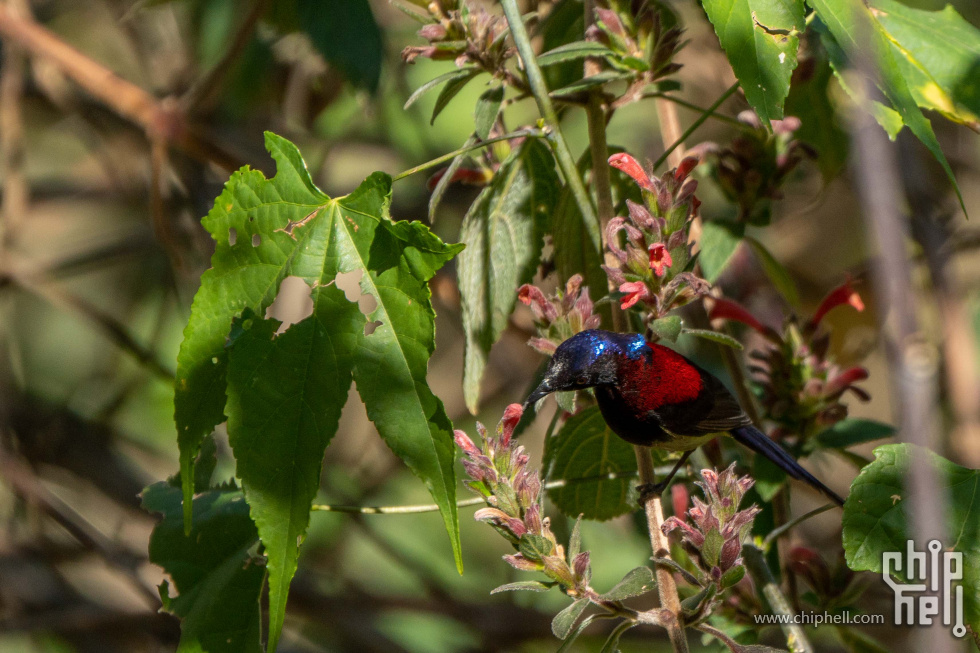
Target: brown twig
<point>22,480</point>
<point>15,190</point>
<point>666,585</point>
<point>115,330</point>
<point>157,118</point>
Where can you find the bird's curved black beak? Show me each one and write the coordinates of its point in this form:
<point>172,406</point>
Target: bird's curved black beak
<point>539,393</point>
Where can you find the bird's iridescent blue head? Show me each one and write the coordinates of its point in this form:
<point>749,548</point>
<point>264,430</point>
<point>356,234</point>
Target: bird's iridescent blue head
<point>586,360</point>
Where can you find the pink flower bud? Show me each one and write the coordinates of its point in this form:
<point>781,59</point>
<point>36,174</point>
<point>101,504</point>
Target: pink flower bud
<point>532,296</point>
<point>580,565</point>
<point>463,442</point>
<point>433,32</point>
<point>679,498</point>
<point>543,346</point>
<point>512,415</point>
<point>730,551</point>
<point>611,21</point>
<point>517,561</point>
<point>641,216</point>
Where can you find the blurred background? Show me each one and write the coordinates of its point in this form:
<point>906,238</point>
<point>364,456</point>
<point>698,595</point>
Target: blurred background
<point>104,178</point>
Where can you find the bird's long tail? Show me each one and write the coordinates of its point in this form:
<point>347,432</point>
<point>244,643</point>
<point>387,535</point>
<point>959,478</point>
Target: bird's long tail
<point>758,442</point>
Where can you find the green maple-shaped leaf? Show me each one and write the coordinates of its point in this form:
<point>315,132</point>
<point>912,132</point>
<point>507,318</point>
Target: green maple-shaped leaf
<point>285,392</point>
<point>218,581</point>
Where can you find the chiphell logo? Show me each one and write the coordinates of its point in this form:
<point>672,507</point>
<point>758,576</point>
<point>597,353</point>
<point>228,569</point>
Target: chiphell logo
<point>940,569</point>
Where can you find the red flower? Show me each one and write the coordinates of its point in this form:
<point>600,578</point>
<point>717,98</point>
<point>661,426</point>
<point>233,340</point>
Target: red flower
<point>635,291</point>
<point>632,167</point>
<point>842,294</point>
<point>728,310</point>
<point>660,259</point>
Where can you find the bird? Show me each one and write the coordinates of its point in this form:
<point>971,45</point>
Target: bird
<point>651,395</point>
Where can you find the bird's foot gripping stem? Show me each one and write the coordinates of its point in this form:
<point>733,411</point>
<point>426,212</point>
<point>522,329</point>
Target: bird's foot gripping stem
<point>649,490</point>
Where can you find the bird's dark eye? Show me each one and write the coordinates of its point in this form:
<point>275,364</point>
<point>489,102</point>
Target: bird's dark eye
<point>582,380</point>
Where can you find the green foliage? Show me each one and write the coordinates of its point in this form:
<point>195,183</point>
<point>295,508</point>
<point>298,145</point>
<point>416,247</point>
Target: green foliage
<point>574,51</point>
<point>938,53</point>
<point>714,336</point>
<point>487,108</point>
<point>809,100</point>
<point>504,232</point>
<point>854,29</point>
<point>346,34</point>
<point>563,622</point>
<point>668,327</point>
<point>760,39</point>
<point>778,275</point>
<point>876,519</point>
<point>719,240</point>
<point>636,582</point>
<point>218,578</point>
<point>852,431</point>
<point>585,447</point>
<point>285,392</point>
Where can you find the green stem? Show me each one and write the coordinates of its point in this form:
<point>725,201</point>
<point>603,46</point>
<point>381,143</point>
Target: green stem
<point>735,122</point>
<point>755,563</point>
<point>521,133</point>
<point>697,123</point>
<point>785,528</point>
<point>566,163</point>
<point>463,503</point>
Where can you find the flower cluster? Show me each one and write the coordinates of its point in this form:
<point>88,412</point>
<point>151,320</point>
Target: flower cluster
<point>640,43</point>
<point>653,250</point>
<point>466,35</point>
<point>799,386</point>
<point>561,316</point>
<point>499,473</point>
<point>753,168</point>
<point>713,537</point>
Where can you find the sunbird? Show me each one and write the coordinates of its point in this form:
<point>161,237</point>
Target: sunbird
<point>652,396</point>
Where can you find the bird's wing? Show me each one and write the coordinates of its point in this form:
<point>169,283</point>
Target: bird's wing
<point>725,412</point>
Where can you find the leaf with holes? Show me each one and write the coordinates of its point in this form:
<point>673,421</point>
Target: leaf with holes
<point>586,447</point>
<point>760,39</point>
<point>213,570</point>
<point>504,233</point>
<point>876,521</point>
<point>284,392</point>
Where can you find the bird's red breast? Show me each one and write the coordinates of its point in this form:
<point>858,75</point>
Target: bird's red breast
<point>663,377</point>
